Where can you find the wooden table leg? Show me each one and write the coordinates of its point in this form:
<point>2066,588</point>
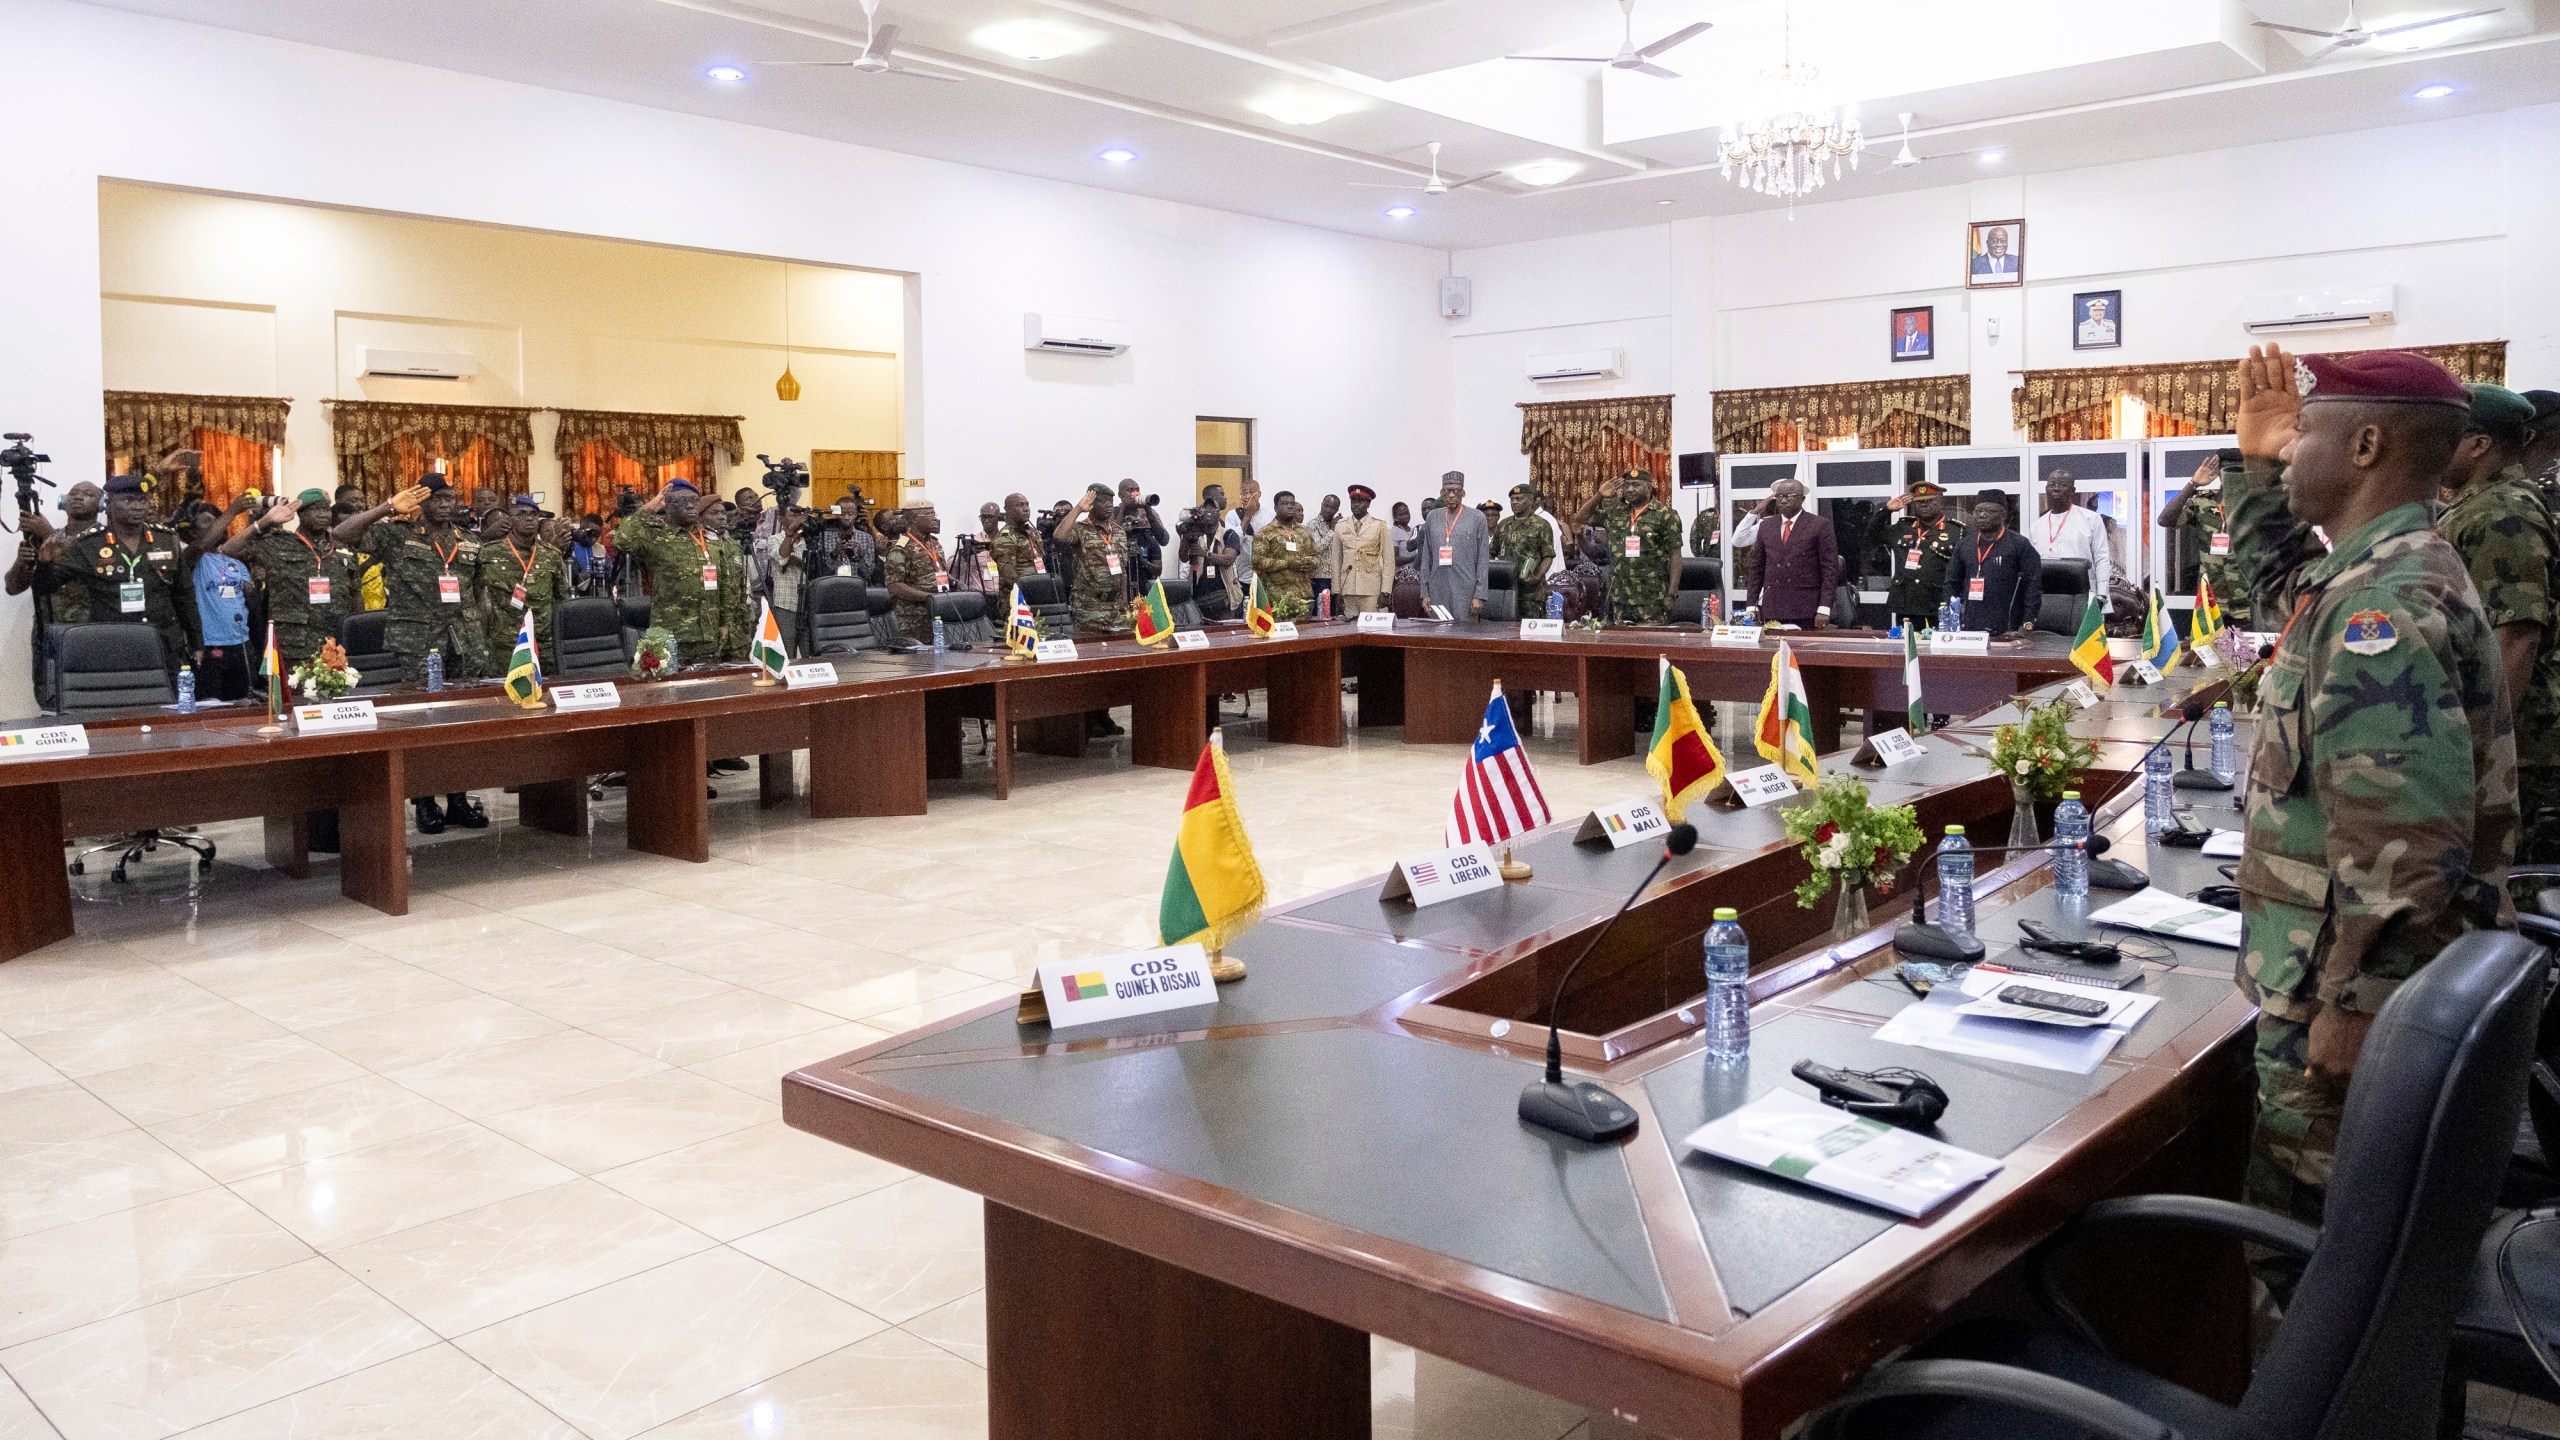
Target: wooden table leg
<point>289,844</point>
<point>1305,691</point>
<point>1605,698</point>
<point>1059,735</point>
<point>867,757</point>
<point>35,891</point>
<point>1380,669</point>
<point>669,808</point>
<point>1167,717</point>
<point>1444,694</point>
<point>1822,692</point>
<point>775,783</point>
<point>373,830</point>
<point>1087,1341</point>
<point>558,807</point>
<point>942,736</point>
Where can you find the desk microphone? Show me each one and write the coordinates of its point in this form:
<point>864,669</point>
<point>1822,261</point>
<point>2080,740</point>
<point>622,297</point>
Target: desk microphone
<point>2191,778</point>
<point>1588,1111</point>
<point>1936,942</point>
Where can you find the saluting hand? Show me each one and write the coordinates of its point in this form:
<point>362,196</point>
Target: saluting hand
<point>280,513</point>
<point>408,502</point>
<point>2270,406</point>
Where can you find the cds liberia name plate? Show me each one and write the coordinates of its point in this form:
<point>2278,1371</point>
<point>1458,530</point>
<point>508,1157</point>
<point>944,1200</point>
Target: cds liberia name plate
<point>1439,875</point>
<point>1140,982</point>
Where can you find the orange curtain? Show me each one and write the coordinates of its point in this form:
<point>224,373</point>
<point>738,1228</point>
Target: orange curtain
<point>599,470</point>
<point>1623,455</point>
<point>234,465</point>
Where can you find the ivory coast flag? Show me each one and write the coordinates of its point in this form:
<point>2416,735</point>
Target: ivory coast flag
<point>1213,888</point>
<point>1916,718</point>
<point>2159,636</point>
<point>1257,615</point>
<point>1683,756</point>
<point>1154,616</point>
<point>766,649</point>
<point>2089,652</point>
<point>1786,718</point>
<point>1021,629</point>
<point>2206,621</point>
<point>524,668</point>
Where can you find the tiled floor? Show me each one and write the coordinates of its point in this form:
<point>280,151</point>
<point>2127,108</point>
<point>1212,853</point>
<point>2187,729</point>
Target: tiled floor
<point>512,1165</point>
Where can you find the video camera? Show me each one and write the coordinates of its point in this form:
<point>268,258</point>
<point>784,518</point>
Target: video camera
<point>785,477</point>
<point>20,462</point>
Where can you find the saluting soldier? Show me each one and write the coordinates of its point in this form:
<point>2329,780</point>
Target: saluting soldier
<point>430,576</point>
<point>1526,540</point>
<point>1285,553</point>
<point>2198,511</point>
<point>2503,529</point>
<point>1920,544</point>
<point>309,578</point>
<point>664,538</point>
<point>1016,547</point>
<point>1099,594</point>
<point>522,573</point>
<point>2381,802</point>
<point>913,567</point>
<point>126,570</point>
<point>732,619</point>
<point>1644,535</point>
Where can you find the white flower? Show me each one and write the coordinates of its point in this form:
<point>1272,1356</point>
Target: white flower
<point>2023,767</point>
<point>1834,849</point>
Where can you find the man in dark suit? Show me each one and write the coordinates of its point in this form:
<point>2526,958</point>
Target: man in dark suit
<point>1996,575</point>
<point>1795,566</point>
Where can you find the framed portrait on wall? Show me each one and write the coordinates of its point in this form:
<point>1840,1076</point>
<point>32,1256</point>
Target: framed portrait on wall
<point>2097,320</point>
<point>1914,334</point>
<point>1995,254</point>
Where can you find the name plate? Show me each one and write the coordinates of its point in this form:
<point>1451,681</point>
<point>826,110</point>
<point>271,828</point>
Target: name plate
<point>1763,786</point>
<point>1048,650</point>
<point>1542,629</point>
<point>1190,639</point>
<point>1959,642</point>
<point>2261,639</point>
<point>1441,612</point>
<point>333,717</point>
<point>2146,672</point>
<point>1745,636</point>
<point>1283,630</point>
<point>1896,747</point>
<point>2080,694</point>
<point>2210,655</point>
<point>1377,622</point>
<point>807,673</point>
<point>1623,824</point>
<point>39,742</point>
<point>1441,875</point>
<point>595,695</point>
<point>1141,982</point>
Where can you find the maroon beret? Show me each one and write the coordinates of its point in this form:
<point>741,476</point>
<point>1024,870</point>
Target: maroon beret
<point>2382,376</point>
<point>1363,492</point>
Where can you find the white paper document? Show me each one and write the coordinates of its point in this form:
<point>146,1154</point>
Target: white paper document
<point>1784,1133</point>
<point>1941,1023</point>
<point>2165,912</point>
<point>2225,845</point>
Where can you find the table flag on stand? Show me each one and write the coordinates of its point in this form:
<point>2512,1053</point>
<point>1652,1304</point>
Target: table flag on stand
<point>2089,651</point>
<point>1684,757</point>
<point>766,649</point>
<point>1021,631</point>
<point>1257,615</point>
<point>1153,616</point>
<point>1785,733</point>
<point>524,668</point>
<point>275,678</point>
<point>1213,888</point>
<point>2206,621</point>
<point>2159,636</point>
<point>1916,715</point>
<point>1498,795</point>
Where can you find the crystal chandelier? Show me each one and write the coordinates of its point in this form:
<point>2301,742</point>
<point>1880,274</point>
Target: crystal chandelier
<point>1783,153</point>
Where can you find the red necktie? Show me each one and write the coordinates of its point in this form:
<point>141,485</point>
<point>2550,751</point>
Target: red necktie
<point>1786,531</point>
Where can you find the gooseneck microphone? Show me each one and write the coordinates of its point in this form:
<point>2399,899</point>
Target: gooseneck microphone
<point>2191,778</point>
<point>1936,942</point>
<point>1588,1111</point>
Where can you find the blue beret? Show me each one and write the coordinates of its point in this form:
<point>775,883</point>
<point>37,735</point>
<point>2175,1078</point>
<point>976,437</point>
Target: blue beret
<point>125,485</point>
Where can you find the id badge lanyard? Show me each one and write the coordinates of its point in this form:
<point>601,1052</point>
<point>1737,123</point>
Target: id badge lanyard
<point>315,591</point>
<point>448,585</point>
<point>129,592</point>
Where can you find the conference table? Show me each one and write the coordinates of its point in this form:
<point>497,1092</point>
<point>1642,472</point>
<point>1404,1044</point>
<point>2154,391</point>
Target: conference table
<point>1195,1219</point>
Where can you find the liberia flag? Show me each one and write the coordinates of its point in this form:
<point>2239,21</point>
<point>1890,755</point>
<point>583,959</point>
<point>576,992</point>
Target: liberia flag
<point>1498,796</point>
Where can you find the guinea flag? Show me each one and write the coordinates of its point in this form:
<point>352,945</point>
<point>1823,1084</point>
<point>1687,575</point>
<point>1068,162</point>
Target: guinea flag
<point>1213,889</point>
<point>1154,616</point>
<point>1683,758</point>
<point>2089,652</point>
<point>524,668</point>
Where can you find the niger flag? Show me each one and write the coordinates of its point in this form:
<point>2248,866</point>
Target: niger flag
<point>1213,889</point>
<point>1683,758</point>
<point>2089,652</point>
<point>1154,617</point>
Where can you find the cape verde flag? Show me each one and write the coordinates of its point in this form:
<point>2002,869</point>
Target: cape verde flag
<point>1498,796</point>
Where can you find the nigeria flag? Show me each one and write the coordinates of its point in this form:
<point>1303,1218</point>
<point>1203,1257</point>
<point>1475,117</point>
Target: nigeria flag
<point>1918,718</point>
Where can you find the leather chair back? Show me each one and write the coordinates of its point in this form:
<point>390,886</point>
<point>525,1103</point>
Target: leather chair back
<point>1047,598</point>
<point>1702,573</point>
<point>1501,590</point>
<point>1178,599</point>
<point>635,620</point>
<point>964,618</point>
<point>835,616</point>
<point>366,637</point>
<point>881,608</point>
<point>587,639</point>
<point>113,666</point>
<point>2429,1119</point>
<point>2066,596</point>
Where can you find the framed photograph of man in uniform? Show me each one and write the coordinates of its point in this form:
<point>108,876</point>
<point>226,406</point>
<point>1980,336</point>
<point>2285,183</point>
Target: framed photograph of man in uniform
<point>2097,320</point>
<point>1995,254</point>
<point>1914,337</point>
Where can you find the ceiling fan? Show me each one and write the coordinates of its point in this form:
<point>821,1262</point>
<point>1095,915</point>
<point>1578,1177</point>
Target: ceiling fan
<point>1437,186</point>
<point>879,47</point>
<point>2355,34</point>
<point>1632,56</point>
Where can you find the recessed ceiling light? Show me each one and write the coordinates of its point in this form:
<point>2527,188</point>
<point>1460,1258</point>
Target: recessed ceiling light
<point>2431,92</point>
<point>1304,107</point>
<point>1991,157</point>
<point>1545,172</point>
<point>725,74</point>
<point>1034,39</point>
<point>1661,202</point>
<point>1399,212</point>
<point>1117,155</point>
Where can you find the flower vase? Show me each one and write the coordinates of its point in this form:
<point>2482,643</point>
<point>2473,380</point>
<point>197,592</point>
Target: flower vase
<point>1849,919</point>
<point>2022,817</point>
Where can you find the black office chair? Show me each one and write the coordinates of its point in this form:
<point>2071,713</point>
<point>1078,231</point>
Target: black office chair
<point>2066,596</point>
<point>1698,578</point>
<point>882,608</point>
<point>1049,608</point>
<point>1501,590</point>
<point>366,637</point>
<point>964,618</point>
<point>587,640</point>
<point>103,668</point>
<point>1178,599</point>
<point>635,619</point>
<point>2362,1349</point>
<point>835,616</point>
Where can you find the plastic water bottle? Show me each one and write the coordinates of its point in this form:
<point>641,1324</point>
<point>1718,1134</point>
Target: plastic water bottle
<point>1728,1010</point>
<point>2159,793</point>
<point>2226,747</point>
<point>941,642</point>
<point>1950,618</point>
<point>435,672</point>
<point>186,689</point>
<point>2071,866</point>
<point>1955,882</point>
<point>1555,605</point>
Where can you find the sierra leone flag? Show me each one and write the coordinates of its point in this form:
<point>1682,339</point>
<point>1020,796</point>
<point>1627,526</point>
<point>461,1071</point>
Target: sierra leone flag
<point>1916,714</point>
<point>2159,634</point>
<point>766,649</point>
<point>1213,889</point>
<point>1153,616</point>
<point>524,668</point>
<point>2089,652</point>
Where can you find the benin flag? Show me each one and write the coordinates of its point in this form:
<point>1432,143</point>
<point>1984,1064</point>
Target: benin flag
<point>766,649</point>
<point>524,668</point>
<point>2159,636</point>
<point>1785,734</point>
<point>1683,758</point>
<point>1213,888</point>
<point>1257,615</point>
<point>1154,616</point>
<point>2089,652</point>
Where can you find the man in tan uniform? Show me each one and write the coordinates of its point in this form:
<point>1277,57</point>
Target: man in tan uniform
<point>1364,565</point>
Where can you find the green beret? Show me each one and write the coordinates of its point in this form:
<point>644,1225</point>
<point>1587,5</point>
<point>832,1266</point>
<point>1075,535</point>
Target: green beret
<point>1098,490</point>
<point>1522,492</point>
<point>312,497</point>
<point>2500,413</point>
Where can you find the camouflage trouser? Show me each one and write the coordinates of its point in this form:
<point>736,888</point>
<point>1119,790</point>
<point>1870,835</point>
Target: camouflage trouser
<point>1636,600</point>
<point>1102,609</point>
<point>2538,802</point>
<point>297,641</point>
<point>465,649</point>
<point>2295,1141</point>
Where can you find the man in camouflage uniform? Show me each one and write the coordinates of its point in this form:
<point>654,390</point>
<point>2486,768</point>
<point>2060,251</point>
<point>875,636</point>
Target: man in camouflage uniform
<point>522,573</point>
<point>126,571</point>
<point>1525,541</point>
<point>1920,544</point>
<point>308,577</point>
<point>1016,547</point>
<point>2503,529</point>
<point>2197,510</point>
<point>1706,533</point>
<point>914,570</point>
<point>1285,554</point>
<point>1644,536</point>
<point>664,540</point>
<point>1099,595</point>
<point>732,614</point>
<point>431,575</point>
<point>2381,801</point>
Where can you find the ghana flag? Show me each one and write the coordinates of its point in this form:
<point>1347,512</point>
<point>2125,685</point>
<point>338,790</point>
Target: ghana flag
<point>1213,888</point>
<point>1683,758</point>
<point>2089,652</point>
<point>1154,616</point>
<point>524,668</point>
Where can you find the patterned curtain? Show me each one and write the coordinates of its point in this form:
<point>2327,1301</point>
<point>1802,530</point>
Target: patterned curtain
<point>383,446</point>
<point>1883,414</point>
<point>599,470</point>
<point>2193,398</point>
<point>1574,445</point>
<point>235,465</point>
<point>237,436</point>
<point>602,451</point>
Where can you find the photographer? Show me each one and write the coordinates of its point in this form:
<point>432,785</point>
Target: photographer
<point>841,544</point>
<point>1208,554</point>
<point>973,557</point>
<point>781,556</point>
<point>1142,532</point>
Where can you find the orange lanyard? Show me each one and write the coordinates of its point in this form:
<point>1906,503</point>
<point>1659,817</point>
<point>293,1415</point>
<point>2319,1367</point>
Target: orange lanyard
<point>1982,553</point>
<point>524,562</point>
<point>441,553</point>
<point>2298,607</point>
<point>316,559</point>
<point>2053,529</point>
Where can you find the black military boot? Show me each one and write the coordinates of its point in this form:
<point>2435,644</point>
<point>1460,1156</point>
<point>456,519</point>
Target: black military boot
<point>462,810</point>
<point>430,819</point>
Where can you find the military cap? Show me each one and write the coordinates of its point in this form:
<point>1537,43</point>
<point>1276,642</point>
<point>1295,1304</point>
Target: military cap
<point>684,485</point>
<point>2391,377</point>
<point>2546,405</point>
<point>1363,492</point>
<point>2500,413</point>
<point>1098,490</point>
<point>1924,489</point>
<point>1523,491</point>
<point>435,480</point>
<point>311,497</point>
<point>124,485</point>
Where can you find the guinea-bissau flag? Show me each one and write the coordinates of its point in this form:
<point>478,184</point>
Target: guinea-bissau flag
<point>2205,621</point>
<point>2089,652</point>
<point>1154,616</point>
<point>524,668</point>
<point>1684,758</point>
<point>1213,889</point>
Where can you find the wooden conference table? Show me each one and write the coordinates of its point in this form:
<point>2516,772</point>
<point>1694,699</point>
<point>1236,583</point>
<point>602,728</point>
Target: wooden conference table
<point>1194,1219</point>
<point>876,739</point>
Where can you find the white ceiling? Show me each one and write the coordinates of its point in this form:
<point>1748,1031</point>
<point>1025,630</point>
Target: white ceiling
<point>2053,84</point>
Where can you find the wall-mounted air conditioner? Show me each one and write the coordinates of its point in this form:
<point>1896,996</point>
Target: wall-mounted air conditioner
<point>417,364</point>
<point>1578,365</point>
<point>2348,309</point>
<point>1074,335</point>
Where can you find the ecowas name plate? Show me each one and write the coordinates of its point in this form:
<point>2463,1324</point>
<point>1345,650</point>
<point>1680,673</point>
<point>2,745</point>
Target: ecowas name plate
<point>1140,982</point>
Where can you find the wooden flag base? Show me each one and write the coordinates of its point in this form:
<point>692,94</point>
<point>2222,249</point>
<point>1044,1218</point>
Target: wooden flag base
<point>1513,871</point>
<point>1224,968</point>
<point>1032,1008</point>
<point>765,681</point>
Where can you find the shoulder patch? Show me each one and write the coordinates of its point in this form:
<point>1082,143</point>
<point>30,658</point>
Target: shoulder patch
<point>2369,632</point>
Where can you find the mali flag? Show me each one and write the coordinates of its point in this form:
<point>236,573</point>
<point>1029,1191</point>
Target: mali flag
<point>524,669</point>
<point>2089,652</point>
<point>2159,636</point>
<point>1213,888</point>
<point>766,649</point>
<point>1154,616</point>
<point>1786,719</point>
<point>1683,757</point>
<point>1257,615</point>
